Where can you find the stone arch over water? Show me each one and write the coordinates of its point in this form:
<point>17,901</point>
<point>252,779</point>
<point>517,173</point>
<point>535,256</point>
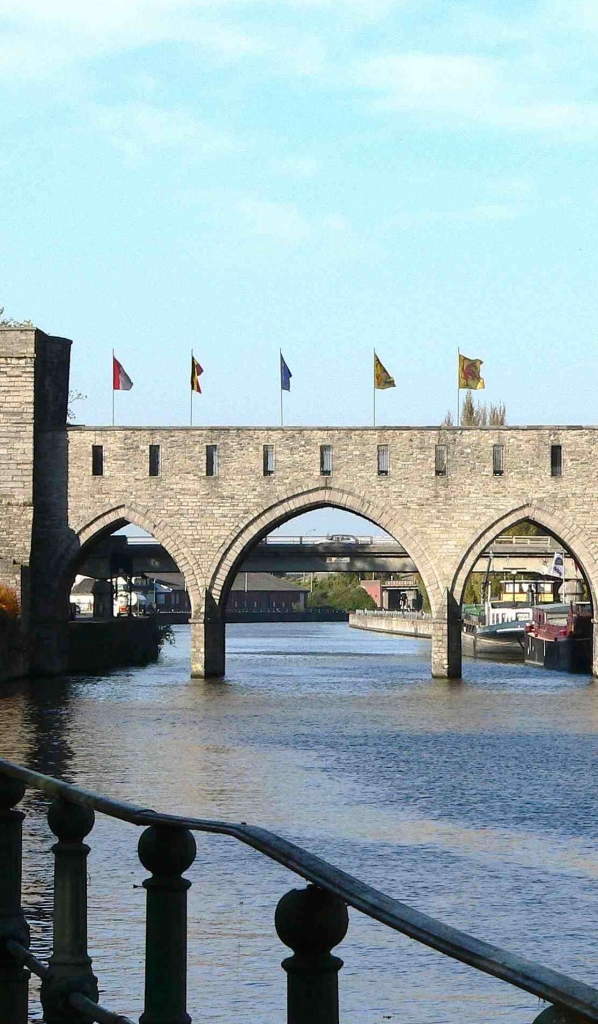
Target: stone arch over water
<point>243,538</point>
<point>562,527</point>
<point>63,567</point>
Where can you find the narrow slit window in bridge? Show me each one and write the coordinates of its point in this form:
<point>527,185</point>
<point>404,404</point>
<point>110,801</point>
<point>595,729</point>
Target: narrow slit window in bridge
<point>440,460</point>
<point>556,460</point>
<point>211,460</point>
<point>498,459</point>
<point>154,460</point>
<point>325,460</point>
<point>97,460</point>
<point>268,460</point>
<point>383,460</point>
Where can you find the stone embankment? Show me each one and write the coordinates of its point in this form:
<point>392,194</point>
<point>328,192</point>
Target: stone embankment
<point>402,623</point>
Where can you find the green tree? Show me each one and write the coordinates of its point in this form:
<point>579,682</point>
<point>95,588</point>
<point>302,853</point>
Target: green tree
<point>524,528</point>
<point>475,582</point>
<point>341,590</point>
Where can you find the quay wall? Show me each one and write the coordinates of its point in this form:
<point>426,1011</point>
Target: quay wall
<point>425,628</point>
<point>388,622</point>
<point>101,645</point>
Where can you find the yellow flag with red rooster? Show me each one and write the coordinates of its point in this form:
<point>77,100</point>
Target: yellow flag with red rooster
<point>469,374</point>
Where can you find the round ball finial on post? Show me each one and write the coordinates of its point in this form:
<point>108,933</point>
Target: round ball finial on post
<point>70,823</point>
<point>311,922</point>
<point>556,1015</point>
<point>167,852</point>
<point>12,792</point>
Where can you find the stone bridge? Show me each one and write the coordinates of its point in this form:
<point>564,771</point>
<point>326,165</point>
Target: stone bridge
<point>208,495</point>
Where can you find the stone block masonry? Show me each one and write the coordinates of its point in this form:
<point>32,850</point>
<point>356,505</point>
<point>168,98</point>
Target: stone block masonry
<point>17,382</point>
<point>444,510</point>
<point>34,373</point>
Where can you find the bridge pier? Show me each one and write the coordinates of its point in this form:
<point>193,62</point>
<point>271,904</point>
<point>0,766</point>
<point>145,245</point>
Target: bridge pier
<point>49,647</point>
<point>446,640</point>
<point>595,644</point>
<point>208,646</point>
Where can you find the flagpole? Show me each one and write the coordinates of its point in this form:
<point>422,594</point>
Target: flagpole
<point>280,372</point>
<point>112,387</point>
<point>458,388</point>
<point>191,401</point>
<point>374,375</point>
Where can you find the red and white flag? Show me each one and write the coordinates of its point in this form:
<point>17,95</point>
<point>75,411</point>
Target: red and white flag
<point>120,378</point>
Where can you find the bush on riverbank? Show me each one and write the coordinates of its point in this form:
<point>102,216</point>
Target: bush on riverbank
<point>9,604</point>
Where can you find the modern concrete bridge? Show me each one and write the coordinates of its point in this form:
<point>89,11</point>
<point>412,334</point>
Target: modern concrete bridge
<point>118,555</point>
<point>210,494</point>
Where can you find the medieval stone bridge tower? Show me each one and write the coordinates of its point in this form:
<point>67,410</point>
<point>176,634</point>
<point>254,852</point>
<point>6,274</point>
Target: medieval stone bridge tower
<point>207,495</point>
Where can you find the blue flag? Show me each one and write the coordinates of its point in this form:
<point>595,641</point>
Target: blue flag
<point>285,375</point>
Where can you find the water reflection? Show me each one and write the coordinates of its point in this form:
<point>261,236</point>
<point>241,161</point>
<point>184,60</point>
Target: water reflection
<point>473,801</point>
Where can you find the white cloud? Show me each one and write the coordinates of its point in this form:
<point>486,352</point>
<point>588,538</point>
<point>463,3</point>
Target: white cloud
<point>29,59</point>
<point>516,94</point>
<point>428,81</point>
<point>512,187</point>
<point>528,71</point>
<point>281,221</point>
<point>135,128</point>
<point>297,166</point>
<point>70,33</point>
<point>492,211</point>
<point>284,222</point>
<point>336,223</point>
<point>477,213</point>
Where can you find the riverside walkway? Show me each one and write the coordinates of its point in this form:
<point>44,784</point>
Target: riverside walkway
<point>418,624</point>
<point>310,921</point>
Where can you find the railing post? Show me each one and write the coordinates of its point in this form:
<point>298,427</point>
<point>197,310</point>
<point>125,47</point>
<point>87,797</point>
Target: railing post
<point>166,852</point>
<point>14,978</point>
<point>70,965</point>
<point>556,1015</point>
<point>311,921</point>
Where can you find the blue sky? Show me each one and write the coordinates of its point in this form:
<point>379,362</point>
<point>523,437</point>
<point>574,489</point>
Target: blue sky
<point>324,176</point>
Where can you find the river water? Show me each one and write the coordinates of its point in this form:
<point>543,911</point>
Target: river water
<point>474,802</point>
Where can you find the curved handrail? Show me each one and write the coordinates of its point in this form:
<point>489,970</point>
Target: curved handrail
<point>552,986</point>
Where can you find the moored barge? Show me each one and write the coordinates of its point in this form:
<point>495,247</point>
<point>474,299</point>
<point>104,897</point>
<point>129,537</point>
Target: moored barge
<point>560,637</point>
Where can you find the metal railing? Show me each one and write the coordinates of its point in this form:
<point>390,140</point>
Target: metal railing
<point>541,543</point>
<point>310,921</point>
<point>307,538</point>
<point>396,613</point>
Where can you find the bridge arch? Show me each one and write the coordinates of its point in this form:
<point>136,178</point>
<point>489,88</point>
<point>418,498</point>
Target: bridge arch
<point>64,566</point>
<point>563,527</point>
<point>242,539</point>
